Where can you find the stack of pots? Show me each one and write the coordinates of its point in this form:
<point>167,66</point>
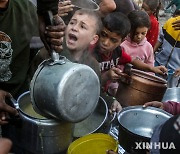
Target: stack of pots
<point>61,93</point>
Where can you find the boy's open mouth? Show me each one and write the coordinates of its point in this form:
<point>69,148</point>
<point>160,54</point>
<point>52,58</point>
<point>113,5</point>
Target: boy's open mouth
<point>72,37</point>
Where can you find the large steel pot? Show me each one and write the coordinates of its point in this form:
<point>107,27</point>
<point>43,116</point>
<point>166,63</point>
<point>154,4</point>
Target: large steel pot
<point>37,134</point>
<point>143,88</point>
<point>136,124</point>
<point>172,94</point>
<point>64,90</point>
<point>100,121</point>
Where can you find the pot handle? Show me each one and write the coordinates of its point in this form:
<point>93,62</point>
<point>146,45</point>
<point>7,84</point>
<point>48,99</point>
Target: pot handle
<point>113,115</point>
<point>128,68</point>
<point>14,103</point>
<point>49,21</point>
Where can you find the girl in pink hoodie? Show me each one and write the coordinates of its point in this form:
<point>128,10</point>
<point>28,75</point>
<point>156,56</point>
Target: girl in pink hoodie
<point>136,44</point>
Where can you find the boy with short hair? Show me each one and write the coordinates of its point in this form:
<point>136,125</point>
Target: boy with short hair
<point>83,30</point>
<point>109,53</point>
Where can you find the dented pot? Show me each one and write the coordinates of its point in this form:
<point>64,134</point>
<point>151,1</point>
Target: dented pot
<point>64,90</point>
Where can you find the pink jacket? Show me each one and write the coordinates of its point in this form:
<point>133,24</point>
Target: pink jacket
<point>172,107</point>
<point>142,51</point>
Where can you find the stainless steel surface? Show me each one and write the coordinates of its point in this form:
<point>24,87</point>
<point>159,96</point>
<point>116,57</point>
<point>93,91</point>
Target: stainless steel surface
<point>67,91</point>
<point>142,121</point>
<point>45,136</point>
<point>172,94</point>
<point>96,122</point>
<point>86,4</point>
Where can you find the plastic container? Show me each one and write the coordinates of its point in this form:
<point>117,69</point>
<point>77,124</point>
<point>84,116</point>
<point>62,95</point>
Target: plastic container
<point>96,143</point>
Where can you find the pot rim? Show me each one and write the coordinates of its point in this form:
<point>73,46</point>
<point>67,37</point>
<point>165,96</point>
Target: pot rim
<point>139,108</point>
<point>148,76</point>
<point>27,115</point>
<point>94,3</point>
<point>105,118</point>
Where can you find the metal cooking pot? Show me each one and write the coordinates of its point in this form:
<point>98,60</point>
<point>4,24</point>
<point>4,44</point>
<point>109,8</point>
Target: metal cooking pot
<point>143,88</point>
<point>136,124</point>
<point>64,90</point>
<point>172,94</point>
<point>81,4</point>
<point>37,134</point>
<point>98,122</point>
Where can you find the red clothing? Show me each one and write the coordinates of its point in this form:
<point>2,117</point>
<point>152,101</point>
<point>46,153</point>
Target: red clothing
<point>152,34</point>
<point>172,107</point>
<point>117,57</point>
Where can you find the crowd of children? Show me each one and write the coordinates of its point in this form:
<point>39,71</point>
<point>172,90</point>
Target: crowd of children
<point>107,41</point>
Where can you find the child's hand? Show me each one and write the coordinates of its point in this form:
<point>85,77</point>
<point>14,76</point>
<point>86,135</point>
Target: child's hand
<point>64,7</point>
<point>176,25</point>
<point>154,104</point>
<point>162,70</point>
<point>115,107</point>
<point>177,72</point>
<point>114,73</point>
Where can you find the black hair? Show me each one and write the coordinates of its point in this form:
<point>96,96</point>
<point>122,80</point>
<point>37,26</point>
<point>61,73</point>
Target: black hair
<point>95,15</point>
<point>118,23</point>
<point>153,4</point>
<point>138,18</point>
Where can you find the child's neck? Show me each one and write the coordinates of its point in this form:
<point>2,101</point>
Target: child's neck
<point>76,55</point>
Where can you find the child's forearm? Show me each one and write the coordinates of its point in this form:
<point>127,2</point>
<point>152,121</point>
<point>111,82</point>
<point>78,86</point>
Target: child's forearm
<point>141,66</point>
<point>104,78</point>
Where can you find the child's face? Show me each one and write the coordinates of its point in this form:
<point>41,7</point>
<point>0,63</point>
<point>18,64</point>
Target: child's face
<point>108,41</point>
<point>140,34</point>
<point>80,32</point>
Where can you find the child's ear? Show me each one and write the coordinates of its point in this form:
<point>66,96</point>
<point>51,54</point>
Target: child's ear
<point>95,39</point>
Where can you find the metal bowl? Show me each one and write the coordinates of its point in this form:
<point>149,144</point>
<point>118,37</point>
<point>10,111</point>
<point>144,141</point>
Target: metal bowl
<point>136,124</point>
<point>172,94</point>
<point>142,121</point>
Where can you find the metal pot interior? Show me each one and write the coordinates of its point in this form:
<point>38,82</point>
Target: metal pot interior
<point>26,107</point>
<point>142,121</point>
<point>172,94</point>
<point>93,122</point>
<point>86,4</point>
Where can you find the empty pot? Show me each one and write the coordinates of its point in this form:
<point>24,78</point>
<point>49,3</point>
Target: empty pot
<point>136,124</point>
<point>64,90</point>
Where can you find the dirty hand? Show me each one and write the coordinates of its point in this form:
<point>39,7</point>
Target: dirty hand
<point>115,107</point>
<point>4,108</point>
<point>154,104</point>
<point>177,72</point>
<point>52,36</point>
<point>64,7</point>
<point>176,25</point>
<point>162,70</point>
<point>114,73</point>
<point>5,145</point>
